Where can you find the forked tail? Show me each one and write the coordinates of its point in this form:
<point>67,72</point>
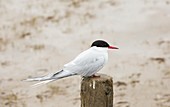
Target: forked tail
<point>50,77</point>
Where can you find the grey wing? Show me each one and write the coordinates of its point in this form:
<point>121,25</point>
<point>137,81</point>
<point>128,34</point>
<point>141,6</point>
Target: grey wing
<point>86,64</point>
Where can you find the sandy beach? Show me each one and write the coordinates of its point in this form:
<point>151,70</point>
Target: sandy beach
<point>38,37</point>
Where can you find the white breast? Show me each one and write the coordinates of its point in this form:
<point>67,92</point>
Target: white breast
<point>88,62</point>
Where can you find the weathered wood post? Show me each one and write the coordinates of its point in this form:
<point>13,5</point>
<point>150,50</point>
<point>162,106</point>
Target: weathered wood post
<point>97,91</point>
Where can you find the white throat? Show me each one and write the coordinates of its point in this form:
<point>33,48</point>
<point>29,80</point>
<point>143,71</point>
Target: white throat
<point>104,49</point>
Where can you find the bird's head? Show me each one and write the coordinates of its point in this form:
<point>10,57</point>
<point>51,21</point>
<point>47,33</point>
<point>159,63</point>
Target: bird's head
<point>102,44</point>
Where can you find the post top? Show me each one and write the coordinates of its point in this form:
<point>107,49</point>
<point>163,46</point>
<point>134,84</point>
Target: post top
<point>102,77</point>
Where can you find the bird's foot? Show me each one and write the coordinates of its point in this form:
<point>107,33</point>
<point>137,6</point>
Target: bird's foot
<point>95,76</point>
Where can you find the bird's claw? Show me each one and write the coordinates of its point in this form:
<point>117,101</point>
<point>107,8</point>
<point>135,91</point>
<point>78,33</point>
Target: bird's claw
<point>95,76</point>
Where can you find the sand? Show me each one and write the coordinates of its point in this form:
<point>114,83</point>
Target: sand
<point>38,37</point>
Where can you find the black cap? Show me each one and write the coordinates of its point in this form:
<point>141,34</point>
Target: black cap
<point>100,43</point>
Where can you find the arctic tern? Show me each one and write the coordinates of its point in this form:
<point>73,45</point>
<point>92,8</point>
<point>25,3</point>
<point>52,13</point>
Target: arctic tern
<point>85,64</point>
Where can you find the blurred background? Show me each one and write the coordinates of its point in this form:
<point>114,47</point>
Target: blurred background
<point>38,37</point>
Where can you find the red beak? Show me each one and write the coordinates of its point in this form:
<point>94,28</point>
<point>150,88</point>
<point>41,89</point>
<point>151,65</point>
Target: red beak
<point>112,47</point>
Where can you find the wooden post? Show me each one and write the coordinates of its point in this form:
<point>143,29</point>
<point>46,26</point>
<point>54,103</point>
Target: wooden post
<point>97,91</point>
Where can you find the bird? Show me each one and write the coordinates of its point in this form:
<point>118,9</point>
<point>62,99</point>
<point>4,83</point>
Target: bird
<point>86,64</point>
